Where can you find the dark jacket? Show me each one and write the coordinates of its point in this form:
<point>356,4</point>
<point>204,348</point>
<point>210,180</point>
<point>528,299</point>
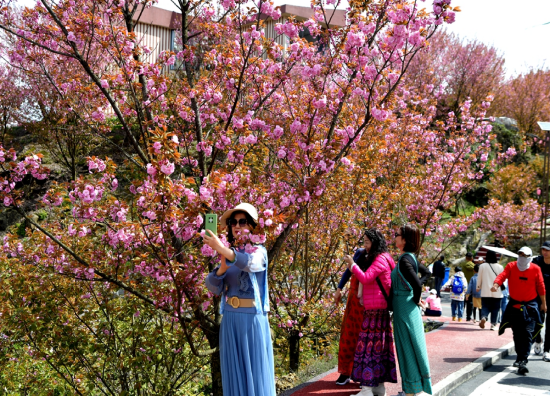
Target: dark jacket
<point>438,269</point>
<point>539,260</point>
<point>525,313</point>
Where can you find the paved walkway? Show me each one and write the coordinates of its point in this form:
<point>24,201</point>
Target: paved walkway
<point>502,379</point>
<point>450,348</point>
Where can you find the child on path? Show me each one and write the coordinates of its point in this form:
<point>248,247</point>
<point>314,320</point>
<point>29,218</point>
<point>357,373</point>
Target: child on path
<point>475,294</point>
<point>458,284</point>
<point>434,304</point>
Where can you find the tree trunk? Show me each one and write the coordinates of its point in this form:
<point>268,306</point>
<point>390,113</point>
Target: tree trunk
<point>216,373</point>
<point>294,351</point>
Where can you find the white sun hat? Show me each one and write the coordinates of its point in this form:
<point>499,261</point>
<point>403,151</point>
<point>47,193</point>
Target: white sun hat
<point>248,208</point>
<point>527,251</point>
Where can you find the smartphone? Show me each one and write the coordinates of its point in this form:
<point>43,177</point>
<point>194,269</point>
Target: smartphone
<point>211,223</point>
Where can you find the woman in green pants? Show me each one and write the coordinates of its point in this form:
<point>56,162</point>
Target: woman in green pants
<point>410,342</point>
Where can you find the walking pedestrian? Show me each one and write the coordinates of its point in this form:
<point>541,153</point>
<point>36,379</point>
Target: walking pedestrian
<point>468,270</point>
<point>351,322</point>
<point>543,261</point>
<point>410,342</point>
<point>433,303</point>
<point>246,349</point>
<point>438,272</point>
<point>459,285</point>
<point>490,300</point>
<point>474,295</point>
<point>374,360</point>
<point>523,312</point>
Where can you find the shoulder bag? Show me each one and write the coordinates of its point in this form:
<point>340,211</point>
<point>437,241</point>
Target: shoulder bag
<point>388,297</point>
<point>502,287</point>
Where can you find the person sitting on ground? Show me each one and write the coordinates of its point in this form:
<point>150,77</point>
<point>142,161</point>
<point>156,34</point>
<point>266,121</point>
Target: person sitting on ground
<point>434,304</point>
<point>490,301</point>
<point>458,284</point>
<point>522,314</point>
<point>473,293</point>
<point>543,261</point>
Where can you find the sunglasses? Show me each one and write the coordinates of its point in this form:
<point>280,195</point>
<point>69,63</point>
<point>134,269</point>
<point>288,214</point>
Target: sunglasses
<point>240,222</point>
<point>397,234</point>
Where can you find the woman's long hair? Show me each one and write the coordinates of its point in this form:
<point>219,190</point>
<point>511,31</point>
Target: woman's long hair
<point>378,247</point>
<point>491,257</point>
<point>230,237</point>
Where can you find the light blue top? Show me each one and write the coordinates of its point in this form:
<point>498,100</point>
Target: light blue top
<point>246,278</point>
<point>472,290</point>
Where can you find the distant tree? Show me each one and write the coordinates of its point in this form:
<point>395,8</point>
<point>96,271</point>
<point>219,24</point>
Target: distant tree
<point>526,99</point>
<point>457,69</point>
<point>11,100</point>
<point>513,183</point>
<point>510,221</point>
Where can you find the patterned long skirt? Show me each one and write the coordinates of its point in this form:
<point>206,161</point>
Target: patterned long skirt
<point>351,325</point>
<point>374,360</point>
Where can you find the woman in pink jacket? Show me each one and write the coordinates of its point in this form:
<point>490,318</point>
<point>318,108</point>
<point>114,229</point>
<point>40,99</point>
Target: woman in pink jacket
<point>374,360</point>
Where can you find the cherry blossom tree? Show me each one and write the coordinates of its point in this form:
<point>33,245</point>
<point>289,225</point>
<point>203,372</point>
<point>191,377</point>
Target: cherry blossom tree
<point>510,221</point>
<point>456,69</point>
<point>242,120</point>
<point>525,99</point>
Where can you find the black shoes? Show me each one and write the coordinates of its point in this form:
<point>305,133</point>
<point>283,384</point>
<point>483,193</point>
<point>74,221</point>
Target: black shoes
<point>516,363</point>
<point>342,380</point>
<point>522,370</point>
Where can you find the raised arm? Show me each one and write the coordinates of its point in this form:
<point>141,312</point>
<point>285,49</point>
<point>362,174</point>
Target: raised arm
<point>344,280</point>
<point>372,272</point>
<point>253,262</point>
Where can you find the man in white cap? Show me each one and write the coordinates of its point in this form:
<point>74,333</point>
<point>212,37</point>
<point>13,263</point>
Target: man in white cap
<point>543,261</point>
<point>522,314</point>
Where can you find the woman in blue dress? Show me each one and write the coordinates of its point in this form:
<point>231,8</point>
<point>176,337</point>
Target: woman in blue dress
<point>246,348</point>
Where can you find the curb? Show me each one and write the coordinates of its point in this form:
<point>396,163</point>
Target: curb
<point>446,385</point>
<point>457,378</point>
<point>288,392</point>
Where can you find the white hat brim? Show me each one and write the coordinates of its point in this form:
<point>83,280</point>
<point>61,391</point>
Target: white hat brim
<point>244,207</point>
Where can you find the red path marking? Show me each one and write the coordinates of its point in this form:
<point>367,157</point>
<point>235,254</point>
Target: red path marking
<point>450,348</point>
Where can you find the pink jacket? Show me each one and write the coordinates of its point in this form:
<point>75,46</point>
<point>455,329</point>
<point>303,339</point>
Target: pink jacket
<point>381,267</point>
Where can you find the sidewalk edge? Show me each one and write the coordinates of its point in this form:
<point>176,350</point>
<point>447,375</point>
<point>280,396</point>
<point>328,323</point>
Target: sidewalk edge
<point>289,392</point>
<point>455,379</point>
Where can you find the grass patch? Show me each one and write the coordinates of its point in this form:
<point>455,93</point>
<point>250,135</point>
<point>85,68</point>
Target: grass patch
<point>432,325</point>
<point>316,367</point>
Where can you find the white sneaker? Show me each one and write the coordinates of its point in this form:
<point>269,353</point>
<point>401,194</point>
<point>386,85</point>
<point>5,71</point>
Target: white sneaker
<point>546,357</point>
<point>538,349</point>
<point>379,390</point>
<point>365,391</point>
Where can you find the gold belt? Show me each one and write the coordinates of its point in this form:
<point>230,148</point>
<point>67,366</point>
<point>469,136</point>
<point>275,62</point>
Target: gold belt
<point>236,302</point>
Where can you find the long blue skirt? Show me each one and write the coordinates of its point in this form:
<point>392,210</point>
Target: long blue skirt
<point>246,354</point>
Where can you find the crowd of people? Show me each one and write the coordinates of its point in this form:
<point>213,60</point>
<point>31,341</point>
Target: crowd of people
<point>382,327</point>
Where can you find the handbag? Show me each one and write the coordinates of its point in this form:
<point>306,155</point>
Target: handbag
<point>502,287</point>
